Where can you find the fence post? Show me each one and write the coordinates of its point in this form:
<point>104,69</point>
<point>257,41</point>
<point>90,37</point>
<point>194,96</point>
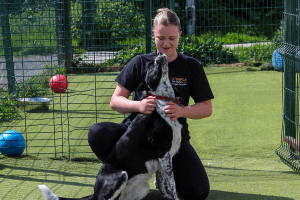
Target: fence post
<point>63,32</point>
<point>148,18</point>
<point>291,40</point>
<point>87,23</point>
<point>190,15</point>
<point>172,5</point>
<point>7,46</point>
<point>59,30</point>
<point>67,35</point>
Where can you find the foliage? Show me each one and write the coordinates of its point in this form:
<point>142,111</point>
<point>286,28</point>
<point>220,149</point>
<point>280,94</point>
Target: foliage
<point>279,35</point>
<point>32,34</point>
<point>206,50</point>
<point>124,56</point>
<point>235,38</point>
<point>258,52</point>
<point>36,86</point>
<point>251,17</point>
<point>8,106</point>
<point>19,6</point>
<point>80,67</point>
<point>110,23</point>
<point>255,65</point>
<point>51,70</point>
<point>107,23</point>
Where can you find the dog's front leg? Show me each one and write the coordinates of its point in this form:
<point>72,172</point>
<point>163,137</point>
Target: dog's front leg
<point>136,189</point>
<point>167,173</point>
<point>161,184</point>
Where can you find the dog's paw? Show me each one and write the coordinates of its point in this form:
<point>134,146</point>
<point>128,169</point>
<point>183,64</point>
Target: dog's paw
<point>167,198</point>
<point>47,193</point>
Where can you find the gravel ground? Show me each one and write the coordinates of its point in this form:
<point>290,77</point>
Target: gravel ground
<point>26,67</point>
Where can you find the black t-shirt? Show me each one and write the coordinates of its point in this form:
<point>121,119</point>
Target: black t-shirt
<point>185,73</point>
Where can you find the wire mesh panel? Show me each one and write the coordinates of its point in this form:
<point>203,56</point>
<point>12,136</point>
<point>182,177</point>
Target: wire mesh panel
<point>289,150</point>
<point>78,39</point>
<point>89,41</point>
<point>230,31</point>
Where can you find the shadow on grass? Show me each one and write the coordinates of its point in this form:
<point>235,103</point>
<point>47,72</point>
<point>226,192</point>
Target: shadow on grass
<point>216,194</point>
<point>63,111</point>
<point>251,170</point>
<point>223,195</point>
<point>43,181</point>
<point>153,194</point>
<point>57,172</point>
<point>23,172</point>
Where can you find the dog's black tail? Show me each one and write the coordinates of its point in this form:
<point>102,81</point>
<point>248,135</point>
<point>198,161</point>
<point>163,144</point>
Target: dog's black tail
<point>49,195</point>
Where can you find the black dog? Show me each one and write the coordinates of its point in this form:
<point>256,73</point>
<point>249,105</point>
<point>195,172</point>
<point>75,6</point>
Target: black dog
<point>147,147</point>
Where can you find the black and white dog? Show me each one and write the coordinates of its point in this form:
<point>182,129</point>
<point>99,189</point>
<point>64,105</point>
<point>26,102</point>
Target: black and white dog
<point>147,147</point>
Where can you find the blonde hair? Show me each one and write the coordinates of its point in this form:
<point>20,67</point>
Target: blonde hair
<point>166,17</point>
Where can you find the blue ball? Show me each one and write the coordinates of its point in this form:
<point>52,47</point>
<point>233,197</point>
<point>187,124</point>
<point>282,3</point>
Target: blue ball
<point>12,143</point>
<point>277,60</point>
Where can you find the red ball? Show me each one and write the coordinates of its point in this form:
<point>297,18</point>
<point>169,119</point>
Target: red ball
<point>58,83</point>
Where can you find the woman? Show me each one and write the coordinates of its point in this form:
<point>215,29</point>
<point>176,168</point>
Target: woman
<point>188,76</point>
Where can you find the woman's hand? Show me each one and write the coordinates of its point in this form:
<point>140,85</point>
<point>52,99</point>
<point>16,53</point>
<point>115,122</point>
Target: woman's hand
<point>120,102</point>
<point>173,110</point>
<point>147,105</point>
<point>196,111</point>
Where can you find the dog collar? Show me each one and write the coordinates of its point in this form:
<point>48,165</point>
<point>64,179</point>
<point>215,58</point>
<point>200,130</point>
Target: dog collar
<point>174,100</point>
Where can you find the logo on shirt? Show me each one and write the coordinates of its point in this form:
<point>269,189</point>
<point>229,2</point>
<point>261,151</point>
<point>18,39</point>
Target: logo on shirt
<point>179,81</point>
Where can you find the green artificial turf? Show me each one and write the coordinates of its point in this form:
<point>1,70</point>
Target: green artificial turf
<point>236,145</point>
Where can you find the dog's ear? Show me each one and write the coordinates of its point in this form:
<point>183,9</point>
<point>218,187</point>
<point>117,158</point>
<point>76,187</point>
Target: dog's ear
<point>141,91</point>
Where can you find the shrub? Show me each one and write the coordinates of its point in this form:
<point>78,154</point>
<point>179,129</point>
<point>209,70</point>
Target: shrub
<point>278,35</point>
<point>36,86</point>
<point>8,107</point>
<point>112,22</point>
<point>206,50</point>
<point>257,52</point>
<point>124,56</point>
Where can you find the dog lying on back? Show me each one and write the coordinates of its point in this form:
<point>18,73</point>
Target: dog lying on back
<point>146,147</point>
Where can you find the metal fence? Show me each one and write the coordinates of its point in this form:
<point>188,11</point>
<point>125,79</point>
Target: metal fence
<point>91,40</point>
<point>75,38</point>
<point>289,150</point>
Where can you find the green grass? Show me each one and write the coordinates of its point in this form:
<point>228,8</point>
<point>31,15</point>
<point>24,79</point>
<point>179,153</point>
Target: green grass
<point>236,145</point>
<point>69,116</point>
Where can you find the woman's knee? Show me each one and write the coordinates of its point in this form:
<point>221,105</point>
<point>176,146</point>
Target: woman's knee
<point>103,136</point>
<point>94,132</point>
<point>100,131</point>
<point>203,194</point>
